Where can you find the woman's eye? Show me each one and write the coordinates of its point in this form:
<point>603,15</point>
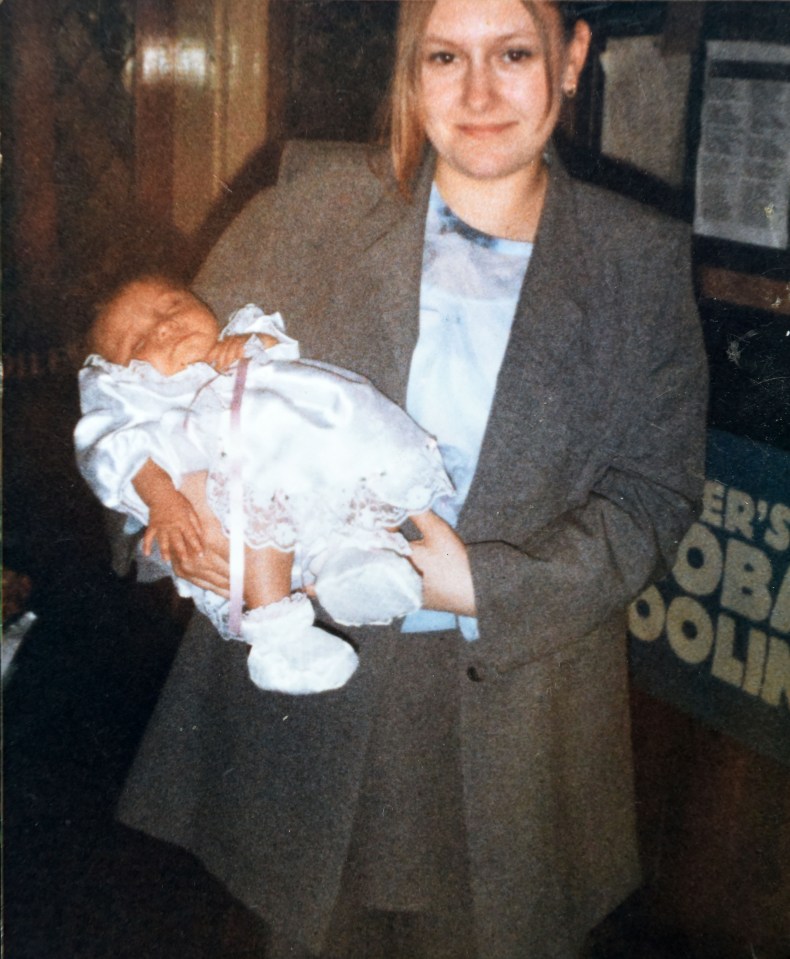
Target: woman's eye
<point>441,57</point>
<point>518,55</point>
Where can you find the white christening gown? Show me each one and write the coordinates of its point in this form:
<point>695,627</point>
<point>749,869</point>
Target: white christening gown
<point>329,465</point>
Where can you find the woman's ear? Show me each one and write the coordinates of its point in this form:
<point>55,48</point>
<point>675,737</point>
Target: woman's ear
<point>576,55</point>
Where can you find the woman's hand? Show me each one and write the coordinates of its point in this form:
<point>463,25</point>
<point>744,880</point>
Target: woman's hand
<point>209,570</point>
<point>441,557</point>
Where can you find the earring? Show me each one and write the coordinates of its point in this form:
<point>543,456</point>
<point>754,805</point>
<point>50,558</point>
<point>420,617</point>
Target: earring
<point>570,92</point>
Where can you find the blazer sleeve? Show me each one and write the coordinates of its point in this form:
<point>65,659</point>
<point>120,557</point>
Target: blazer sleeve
<point>587,564</point>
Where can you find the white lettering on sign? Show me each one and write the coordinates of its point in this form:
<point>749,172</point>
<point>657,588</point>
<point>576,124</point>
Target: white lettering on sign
<point>726,665</point>
<point>646,616</point>
<point>747,576</point>
<point>735,596</point>
<point>699,563</point>
<point>780,617</point>
<point>739,513</point>
<point>778,535</point>
<point>777,673</point>
<point>713,503</point>
<point>690,632</point>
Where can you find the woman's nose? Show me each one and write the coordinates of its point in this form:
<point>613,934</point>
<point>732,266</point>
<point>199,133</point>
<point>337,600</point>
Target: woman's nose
<point>479,86</point>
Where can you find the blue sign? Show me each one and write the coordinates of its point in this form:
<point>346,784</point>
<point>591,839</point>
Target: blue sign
<point>713,638</point>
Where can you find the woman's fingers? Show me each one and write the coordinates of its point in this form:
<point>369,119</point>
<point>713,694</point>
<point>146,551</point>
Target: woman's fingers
<point>184,545</point>
<point>441,558</point>
<point>210,570</point>
<point>177,543</point>
<point>193,533</point>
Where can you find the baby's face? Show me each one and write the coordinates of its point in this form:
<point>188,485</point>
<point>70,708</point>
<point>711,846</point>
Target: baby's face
<point>153,320</point>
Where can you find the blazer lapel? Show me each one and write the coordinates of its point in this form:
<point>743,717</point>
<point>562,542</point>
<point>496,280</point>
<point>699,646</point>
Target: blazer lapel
<point>550,308</point>
<point>379,290</point>
<point>535,379</point>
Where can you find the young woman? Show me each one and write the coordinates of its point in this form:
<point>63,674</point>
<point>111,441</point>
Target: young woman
<point>468,793</point>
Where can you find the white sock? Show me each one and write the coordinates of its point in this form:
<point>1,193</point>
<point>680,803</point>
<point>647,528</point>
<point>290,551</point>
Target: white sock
<point>291,655</point>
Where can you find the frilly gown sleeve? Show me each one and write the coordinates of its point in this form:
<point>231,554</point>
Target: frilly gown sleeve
<point>251,319</point>
<point>129,415</point>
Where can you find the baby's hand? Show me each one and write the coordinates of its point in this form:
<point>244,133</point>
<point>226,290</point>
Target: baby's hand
<point>227,351</point>
<point>175,525</point>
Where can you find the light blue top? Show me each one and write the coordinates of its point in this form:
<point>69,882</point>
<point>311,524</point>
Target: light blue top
<point>470,287</point>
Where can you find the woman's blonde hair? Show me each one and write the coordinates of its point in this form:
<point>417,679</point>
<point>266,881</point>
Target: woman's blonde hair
<point>406,131</point>
<point>402,121</point>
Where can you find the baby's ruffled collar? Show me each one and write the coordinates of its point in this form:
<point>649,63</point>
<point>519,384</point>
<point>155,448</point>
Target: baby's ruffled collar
<point>138,370</point>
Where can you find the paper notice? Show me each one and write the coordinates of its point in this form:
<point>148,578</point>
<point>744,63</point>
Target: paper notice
<point>743,165</point>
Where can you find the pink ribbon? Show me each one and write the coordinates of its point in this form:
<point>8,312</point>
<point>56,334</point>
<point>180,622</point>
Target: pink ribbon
<point>236,524</point>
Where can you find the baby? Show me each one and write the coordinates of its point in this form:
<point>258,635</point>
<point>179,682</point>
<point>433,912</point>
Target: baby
<point>203,435</point>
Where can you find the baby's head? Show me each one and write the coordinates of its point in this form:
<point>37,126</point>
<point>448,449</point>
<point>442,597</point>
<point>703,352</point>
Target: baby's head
<point>155,319</point>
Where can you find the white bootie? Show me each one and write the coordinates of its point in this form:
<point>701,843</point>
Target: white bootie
<point>358,587</point>
<point>291,655</point>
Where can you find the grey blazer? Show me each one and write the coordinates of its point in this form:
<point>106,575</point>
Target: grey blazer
<point>589,475</point>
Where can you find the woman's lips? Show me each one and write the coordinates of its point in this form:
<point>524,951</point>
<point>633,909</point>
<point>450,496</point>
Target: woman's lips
<point>484,129</point>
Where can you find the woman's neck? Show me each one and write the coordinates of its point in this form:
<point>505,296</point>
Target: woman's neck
<point>507,207</point>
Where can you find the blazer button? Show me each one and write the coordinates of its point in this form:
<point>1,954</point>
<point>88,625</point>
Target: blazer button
<point>474,675</point>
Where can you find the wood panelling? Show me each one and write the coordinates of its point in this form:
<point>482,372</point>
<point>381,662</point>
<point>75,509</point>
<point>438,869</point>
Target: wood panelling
<point>154,106</point>
<point>221,87</point>
<point>31,253</point>
<point>745,289</point>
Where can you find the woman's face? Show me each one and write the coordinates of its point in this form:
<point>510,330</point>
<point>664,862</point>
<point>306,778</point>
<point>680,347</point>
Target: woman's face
<point>490,79</point>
